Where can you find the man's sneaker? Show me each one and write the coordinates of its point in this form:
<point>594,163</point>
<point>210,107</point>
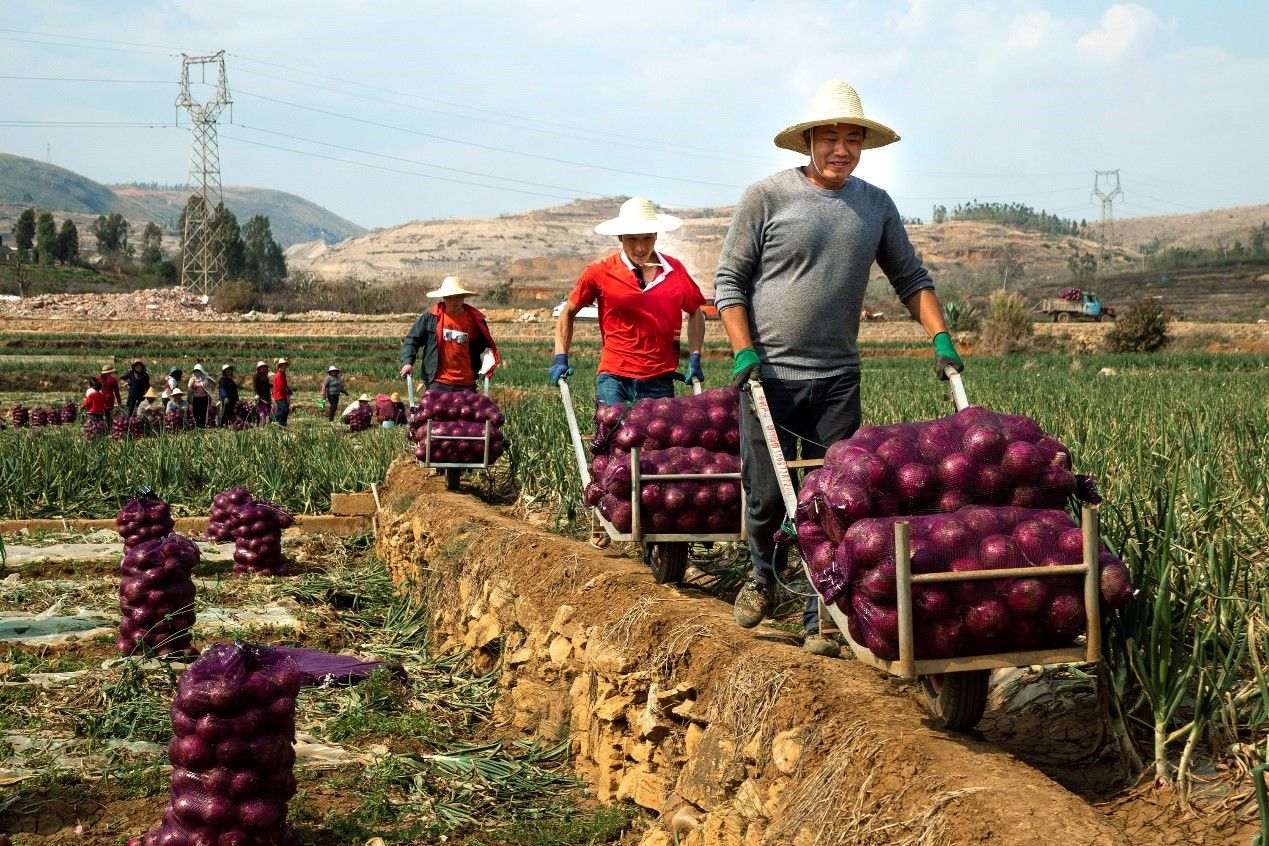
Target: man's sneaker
<point>752,604</point>
<point>817,644</point>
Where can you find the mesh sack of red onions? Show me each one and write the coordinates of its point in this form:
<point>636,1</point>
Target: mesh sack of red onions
<point>156,597</point>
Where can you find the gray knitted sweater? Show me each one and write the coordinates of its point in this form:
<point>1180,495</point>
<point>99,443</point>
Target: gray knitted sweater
<point>798,257</point>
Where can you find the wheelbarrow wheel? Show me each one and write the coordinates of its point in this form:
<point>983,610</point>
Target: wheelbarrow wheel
<point>957,700</point>
<point>452,476</point>
<point>668,562</point>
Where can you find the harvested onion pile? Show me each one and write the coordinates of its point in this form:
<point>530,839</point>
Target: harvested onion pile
<point>144,518</point>
<point>128,427</point>
<point>359,418</point>
<point>232,755</point>
<point>224,513</point>
<point>156,597</point>
<point>857,572</point>
<point>258,538</point>
<point>21,416</point>
<point>458,414</point>
<point>39,417</point>
<point>710,420</point>
<point>93,428</point>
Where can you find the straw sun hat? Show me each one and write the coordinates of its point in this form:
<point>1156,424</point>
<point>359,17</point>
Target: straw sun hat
<point>450,287</point>
<point>638,216</point>
<point>835,102</point>
<point>106,368</point>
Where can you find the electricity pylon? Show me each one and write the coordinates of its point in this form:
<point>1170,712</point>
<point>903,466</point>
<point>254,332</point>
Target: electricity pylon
<point>202,253</point>
<point>1106,188</point>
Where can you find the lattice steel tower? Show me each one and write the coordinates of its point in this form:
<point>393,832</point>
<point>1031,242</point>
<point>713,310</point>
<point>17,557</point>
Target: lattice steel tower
<point>1106,188</point>
<point>202,253</point>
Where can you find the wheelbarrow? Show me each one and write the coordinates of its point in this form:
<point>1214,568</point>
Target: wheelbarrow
<point>453,470</point>
<point>955,689</point>
<point>666,552</point>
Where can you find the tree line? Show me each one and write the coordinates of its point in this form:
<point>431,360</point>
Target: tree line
<point>251,254</point>
<point>1014,215</point>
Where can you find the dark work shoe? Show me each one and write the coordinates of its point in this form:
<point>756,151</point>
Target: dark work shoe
<point>817,644</point>
<point>752,604</point>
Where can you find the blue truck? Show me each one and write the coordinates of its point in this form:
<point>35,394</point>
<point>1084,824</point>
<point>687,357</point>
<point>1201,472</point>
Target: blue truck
<point>1085,307</point>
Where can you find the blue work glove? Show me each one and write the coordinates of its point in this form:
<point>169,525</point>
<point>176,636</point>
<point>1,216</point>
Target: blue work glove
<point>694,368</point>
<point>945,356</point>
<point>746,362</point>
<point>560,368</point>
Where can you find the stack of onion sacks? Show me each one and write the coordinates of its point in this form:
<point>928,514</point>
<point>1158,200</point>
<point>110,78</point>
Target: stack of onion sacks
<point>258,538</point>
<point>688,434</point>
<point>68,413</point>
<point>458,414</point>
<point>144,518</point>
<point>224,513</point>
<point>39,418</point>
<point>232,754</point>
<point>857,572</point>
<point>174,421</point>
<point>21,416</point>
<point>156,597</point>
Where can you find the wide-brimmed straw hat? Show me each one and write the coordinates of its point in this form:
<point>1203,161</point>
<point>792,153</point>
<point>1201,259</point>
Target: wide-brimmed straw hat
<point>364,398</point>
<point>106,368</point>
<point>151,394</point>
<point>176,392</point>
<point>835,102</point>
<point>450,287</point>
<point>282,361</point>
<point>332,369</point>
<point>637,216</point>
<point>260,364</point>
<point>396,396</point>
<point>225,367</point>
<point>198,368</point>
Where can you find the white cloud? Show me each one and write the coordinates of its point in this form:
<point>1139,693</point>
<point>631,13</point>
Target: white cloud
<point>1124,28</point>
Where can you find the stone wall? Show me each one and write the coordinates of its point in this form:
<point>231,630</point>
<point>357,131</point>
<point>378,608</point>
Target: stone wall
<point>726,736</point>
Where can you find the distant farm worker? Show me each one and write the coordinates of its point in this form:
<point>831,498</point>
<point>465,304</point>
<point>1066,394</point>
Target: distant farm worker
<point>151,405</point>
<point>281,393</point>
<point>642,296</point>
<point>399,407</point>
<point>789,289</point>
<point>332,390</point>
<point>138,379</point>
<point>173,382</point>
<point>201,388</point>
<point>227,392</point>
<point>454,340</point>
<point>362,401</point>
<point>110,387</point>
<point>385,411</point>
<point>263,387</point>
<point>94,403</point>
<point>176,403</point>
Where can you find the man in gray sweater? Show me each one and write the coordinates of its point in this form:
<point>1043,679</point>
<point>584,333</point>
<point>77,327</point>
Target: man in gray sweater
<point>789,288</point>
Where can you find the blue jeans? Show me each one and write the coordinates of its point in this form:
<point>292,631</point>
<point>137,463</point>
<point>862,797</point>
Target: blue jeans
<point>281,410</point>
<point>817,412</point>
<point>615,390</point>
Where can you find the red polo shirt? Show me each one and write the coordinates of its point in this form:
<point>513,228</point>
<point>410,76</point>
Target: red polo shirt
<point>639,328</point>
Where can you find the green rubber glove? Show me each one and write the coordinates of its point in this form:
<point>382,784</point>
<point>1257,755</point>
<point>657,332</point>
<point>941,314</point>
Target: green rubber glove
<point>746,363</point>
<point>945,356</point>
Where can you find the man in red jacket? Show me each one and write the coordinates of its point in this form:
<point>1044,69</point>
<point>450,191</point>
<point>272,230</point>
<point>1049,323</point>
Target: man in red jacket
<point>642,296</point>
<point>281,394</point>
<point>110,387</point>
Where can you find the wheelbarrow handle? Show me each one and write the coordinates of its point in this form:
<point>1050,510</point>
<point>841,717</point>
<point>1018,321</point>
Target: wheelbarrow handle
<point>409,388</point>
<point>958,388</point>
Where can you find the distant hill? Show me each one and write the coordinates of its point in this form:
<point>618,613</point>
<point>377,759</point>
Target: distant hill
<point>542,252</point>
<point>28,182</point>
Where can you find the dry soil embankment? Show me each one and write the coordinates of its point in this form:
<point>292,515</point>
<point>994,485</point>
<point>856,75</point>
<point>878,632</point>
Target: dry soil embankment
<point>731,738</point>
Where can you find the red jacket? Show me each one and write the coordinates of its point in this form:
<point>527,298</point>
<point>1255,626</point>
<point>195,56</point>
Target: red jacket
<point>95,402</point>
<point>281,390</point>
<point>110,387</point>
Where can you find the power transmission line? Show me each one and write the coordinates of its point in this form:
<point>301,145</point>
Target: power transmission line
<point>490,147</point>
<point>1106,188</point>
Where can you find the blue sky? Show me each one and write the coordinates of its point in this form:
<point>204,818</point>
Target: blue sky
<point>540,101</point>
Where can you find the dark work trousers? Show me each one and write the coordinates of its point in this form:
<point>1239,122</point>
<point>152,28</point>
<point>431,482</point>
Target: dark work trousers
<point>200,404</point>
<point>332,405</point>
<point>816,412</point>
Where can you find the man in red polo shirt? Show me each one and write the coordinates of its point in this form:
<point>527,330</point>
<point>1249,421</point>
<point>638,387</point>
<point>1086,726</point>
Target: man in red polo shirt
<point>642,296</point>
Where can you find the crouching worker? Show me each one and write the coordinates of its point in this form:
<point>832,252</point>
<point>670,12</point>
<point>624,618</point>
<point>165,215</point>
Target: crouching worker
<point>453,339</point>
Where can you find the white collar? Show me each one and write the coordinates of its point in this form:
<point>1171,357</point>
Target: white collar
<point>660,262</point>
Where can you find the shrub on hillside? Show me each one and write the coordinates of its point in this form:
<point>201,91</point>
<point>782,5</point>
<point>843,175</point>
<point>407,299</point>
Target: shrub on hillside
<point>235,298</point>
<point>1009,324</point>
<point>1143,327</point>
